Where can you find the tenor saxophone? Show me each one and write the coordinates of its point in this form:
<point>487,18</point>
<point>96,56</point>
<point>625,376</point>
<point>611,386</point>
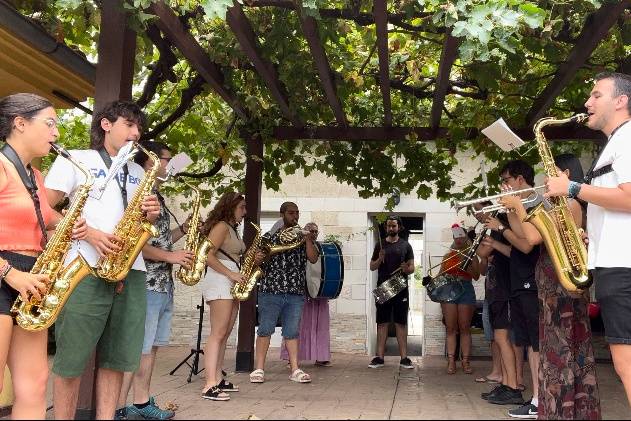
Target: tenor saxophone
<point>133,229</point>
<point>289,239</point>
<point>560,234</point>
<point>35,315</point>
<point>196,244</point>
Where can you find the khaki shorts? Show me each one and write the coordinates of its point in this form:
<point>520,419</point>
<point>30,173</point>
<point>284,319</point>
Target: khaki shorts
<point>96,317</point>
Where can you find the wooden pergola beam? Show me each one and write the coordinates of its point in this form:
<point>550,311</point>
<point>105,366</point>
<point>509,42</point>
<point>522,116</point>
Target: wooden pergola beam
<point>423,134</point>
<point>179,35</point>
<point>246,37</point>
<point>381,23</point>
<point>596,28</point>
<point>310,29</point>
<point>447,59</point>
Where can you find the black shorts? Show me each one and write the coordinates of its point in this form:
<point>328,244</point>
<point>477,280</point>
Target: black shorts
<point>395,309</point>
<point>524,319</point>
<point>8,294</point>
<point>613,293</point>
<point>498,315</point>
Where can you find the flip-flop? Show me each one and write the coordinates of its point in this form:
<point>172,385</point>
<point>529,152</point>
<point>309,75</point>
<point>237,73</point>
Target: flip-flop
<point>485,379</point>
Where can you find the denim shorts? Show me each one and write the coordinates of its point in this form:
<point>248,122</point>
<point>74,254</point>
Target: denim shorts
<point>468,296</point>
<point>158,321</point>
<point>286,306</point>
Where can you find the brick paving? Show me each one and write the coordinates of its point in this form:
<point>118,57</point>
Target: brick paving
<point>351,390</point>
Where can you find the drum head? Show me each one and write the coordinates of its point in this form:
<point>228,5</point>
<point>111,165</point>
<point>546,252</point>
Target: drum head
<point>445,289</point>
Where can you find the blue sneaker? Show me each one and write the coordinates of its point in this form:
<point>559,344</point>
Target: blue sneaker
<point>149,412</point>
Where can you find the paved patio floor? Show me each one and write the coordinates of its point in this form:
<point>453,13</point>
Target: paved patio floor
<point>351,390</point>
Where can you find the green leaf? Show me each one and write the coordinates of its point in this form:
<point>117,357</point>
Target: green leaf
<point>216,8</point>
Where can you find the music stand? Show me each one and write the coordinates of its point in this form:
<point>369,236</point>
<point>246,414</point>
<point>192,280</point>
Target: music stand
<point>194,351</point>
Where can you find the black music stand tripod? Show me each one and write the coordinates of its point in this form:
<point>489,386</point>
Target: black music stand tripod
<point>196,351</point>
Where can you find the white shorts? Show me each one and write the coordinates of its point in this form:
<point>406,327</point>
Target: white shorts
<point>215,286</point>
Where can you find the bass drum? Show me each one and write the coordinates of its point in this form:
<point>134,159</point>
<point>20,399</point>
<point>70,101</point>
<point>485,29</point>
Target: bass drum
<point>445,288</point>
<point>325,277</point>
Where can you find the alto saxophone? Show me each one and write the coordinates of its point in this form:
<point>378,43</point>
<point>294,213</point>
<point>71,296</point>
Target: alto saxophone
<point>196,244</point>
<point>133,229</point>
<point>289,238</point>
<point>560,234</point>
<point>35,315</point>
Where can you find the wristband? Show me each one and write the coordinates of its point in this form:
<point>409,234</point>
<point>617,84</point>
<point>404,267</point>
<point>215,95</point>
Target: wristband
<point>573,189</point>
<point>3,266</point>
<point>5,271</point>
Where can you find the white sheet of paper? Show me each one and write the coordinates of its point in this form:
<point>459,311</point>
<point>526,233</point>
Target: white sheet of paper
<point>502,136</point>
<point>178,163</point>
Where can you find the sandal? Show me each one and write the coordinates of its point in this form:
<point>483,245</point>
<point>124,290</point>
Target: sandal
<point>451,364</point>
<point>466,366</point>
<point>487,379</point>
<point>227,386</point>
<point>257,376</point>
<point>300,376</point>
<point>215,394</point>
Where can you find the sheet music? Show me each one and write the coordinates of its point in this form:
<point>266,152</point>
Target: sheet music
<point>503,136</point>
<point>178,163</point>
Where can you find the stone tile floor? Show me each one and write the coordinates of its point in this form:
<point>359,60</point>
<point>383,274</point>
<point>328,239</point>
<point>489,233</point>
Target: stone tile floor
<point>351,390</point>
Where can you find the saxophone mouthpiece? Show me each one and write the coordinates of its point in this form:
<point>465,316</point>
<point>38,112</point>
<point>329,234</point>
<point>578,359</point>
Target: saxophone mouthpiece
<point>60,151</point>
<point>580,118</point>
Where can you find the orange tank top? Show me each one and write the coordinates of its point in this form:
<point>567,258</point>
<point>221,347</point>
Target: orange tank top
<point>451,265</point>
<point>19,229</point>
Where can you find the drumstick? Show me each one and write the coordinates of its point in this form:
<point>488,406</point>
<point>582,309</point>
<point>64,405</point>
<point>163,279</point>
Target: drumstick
<point>376,225</point>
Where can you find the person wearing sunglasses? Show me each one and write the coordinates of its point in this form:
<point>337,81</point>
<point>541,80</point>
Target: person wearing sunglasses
<point>28,127</point>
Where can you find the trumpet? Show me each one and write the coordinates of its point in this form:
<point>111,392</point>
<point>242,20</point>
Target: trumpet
<point>498,207</point>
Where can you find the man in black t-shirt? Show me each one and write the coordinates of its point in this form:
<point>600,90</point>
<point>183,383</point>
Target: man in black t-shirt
<point>524,302</point>
<point>396,254</point>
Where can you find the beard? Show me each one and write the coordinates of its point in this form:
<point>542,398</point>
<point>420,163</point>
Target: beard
<point>392,234</point>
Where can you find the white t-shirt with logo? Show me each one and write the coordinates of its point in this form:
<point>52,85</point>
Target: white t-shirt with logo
<point>609,231</point>
<point>104,213</point>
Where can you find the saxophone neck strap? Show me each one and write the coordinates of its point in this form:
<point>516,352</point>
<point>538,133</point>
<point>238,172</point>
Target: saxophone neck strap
<point>122,185</point>
<point>28,179</point>
<point>163,205</point>
<point>230,258</point>
<point>591,174</point>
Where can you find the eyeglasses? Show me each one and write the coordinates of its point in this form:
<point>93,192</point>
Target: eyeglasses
<point>51,123</point>
<point>167,159</point>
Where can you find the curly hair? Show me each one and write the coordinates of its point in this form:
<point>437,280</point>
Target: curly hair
<point>223,211</point>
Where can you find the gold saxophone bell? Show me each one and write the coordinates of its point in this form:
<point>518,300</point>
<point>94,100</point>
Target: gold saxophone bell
<point>36,315</point>
<point>289,239</point>
<point>196,244</point>
<point>561,236</point>
<point>133,228</point>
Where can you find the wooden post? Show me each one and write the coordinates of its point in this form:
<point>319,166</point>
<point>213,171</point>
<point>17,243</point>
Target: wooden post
<point>247,313</point>
<point>117,53</point>
<point>114,79</point>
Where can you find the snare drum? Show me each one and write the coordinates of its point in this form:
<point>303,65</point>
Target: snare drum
<point>445,288</point>
<point>390,287</point>
<point>325,277</point>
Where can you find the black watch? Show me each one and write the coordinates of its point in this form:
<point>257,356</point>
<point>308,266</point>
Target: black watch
<point>501,229</point>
